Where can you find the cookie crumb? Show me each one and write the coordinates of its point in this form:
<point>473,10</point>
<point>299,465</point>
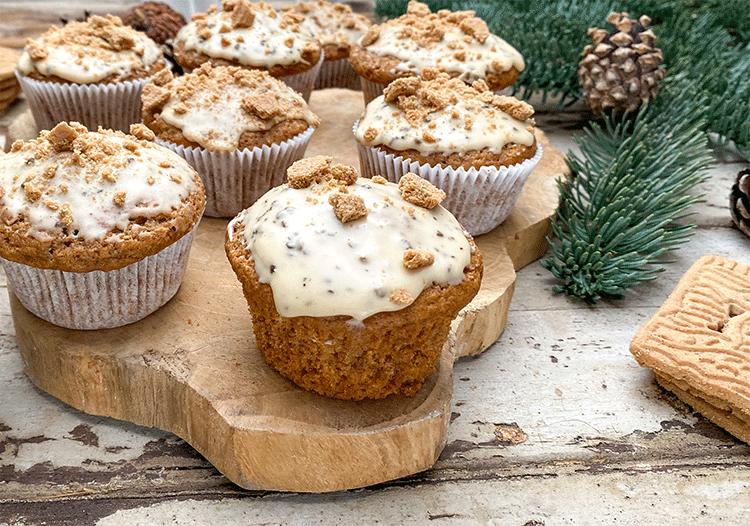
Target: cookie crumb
<point>414,259</point>
<point>307,171</point>
<point>401,297</point>
<point>62,136</point>
<point>347,207</point>
<point>141,131</point>
<point>420,192</point>
<point>343,173</point>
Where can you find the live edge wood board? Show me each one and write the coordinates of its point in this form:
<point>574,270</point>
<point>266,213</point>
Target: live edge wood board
<point>192,368</point>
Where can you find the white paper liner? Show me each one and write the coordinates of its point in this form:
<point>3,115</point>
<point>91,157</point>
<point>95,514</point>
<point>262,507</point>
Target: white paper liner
<point>304,82</point>
<point>114,106</point>
<point>371,90</point>
<point>101,300</point>
<point>338,74</point>
<point>480,199</point>
<point>235,180</point>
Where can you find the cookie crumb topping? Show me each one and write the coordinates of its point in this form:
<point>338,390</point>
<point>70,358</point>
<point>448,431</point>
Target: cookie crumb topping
<point>332,24</point>
<point>347,207</point>
<point>214,105</point>
<point>419,191</point>
<point>438,113</point>
<point>251,33</point>
<point>91,51</point>
<point>96,181</point>
<point>414,259</point>
<point>458,43</point>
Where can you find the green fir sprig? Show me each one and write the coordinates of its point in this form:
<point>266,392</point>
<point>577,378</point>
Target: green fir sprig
<point>627,200</point>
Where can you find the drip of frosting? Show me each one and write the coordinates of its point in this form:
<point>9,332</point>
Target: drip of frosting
<point>318,265</point>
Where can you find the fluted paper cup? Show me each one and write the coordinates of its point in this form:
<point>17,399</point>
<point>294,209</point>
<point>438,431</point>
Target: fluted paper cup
<point>481,199</point>
<point>303,82</point>
<point>101,300</point>
<point>114,106</point>
<point>236,179</point>
<point>338,74</point>
<point>371,90</point>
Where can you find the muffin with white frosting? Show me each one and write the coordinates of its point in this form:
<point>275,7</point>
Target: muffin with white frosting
<point>336,27</point>
<point>239,128</point>
<point>96,226</point>
<point>372,320</point>
<point>254,36</point>
<point>90,72</point>
<point>458,43</point>
<point>477,146</point>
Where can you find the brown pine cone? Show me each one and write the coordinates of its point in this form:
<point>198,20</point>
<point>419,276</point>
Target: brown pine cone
<point>620,70</point>
<point>739,201</point>
<point>159,21</point>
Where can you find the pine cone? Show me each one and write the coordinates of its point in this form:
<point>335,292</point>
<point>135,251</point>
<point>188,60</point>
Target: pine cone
<point>739,201</point>
<point>159,21</point>
<point>621,71</point>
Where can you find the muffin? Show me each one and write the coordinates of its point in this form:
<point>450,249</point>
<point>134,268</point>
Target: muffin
<point>336,27</point>
<point>95,227</point>
<point>91,72</point>
<point>477,146</point>
<point>239,128</point>
<point>457,43</point>
<point>371,321</point>
<point>251,35</point>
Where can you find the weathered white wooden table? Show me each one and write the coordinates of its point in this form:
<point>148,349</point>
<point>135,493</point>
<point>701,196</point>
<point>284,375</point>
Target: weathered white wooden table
<point>553,424</point>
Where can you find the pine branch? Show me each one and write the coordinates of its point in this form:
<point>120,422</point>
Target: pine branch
<point>625,204</point>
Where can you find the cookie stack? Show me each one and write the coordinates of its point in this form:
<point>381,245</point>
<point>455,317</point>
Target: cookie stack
<point>9,87</point>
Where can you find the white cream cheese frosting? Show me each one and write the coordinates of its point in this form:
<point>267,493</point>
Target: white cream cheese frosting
<point>87,184</point>
<point>318,265</point>
<point>91,51</point>
<point>455,42</point>
<point>258,37</point>
<point>437,113</point>
<point>214,106</point>
<point>331,23</point>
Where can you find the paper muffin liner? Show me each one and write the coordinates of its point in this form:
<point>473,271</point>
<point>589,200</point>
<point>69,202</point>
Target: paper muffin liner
<point>480,199</point>
<point>371,90</point>
<point>101,300</point>
<point>304,82</point>
<point>114,106</point>
<point>338,74</point>
<point>235,179</point>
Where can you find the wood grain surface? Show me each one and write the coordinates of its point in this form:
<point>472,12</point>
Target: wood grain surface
<point>193,369</point>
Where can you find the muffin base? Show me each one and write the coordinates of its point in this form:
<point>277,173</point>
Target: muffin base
<point>337,356</point>
<point>101,300</point>
<point>338,74</point>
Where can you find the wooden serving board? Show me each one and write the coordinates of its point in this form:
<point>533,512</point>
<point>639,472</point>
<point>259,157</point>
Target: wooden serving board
<point>192,368</point>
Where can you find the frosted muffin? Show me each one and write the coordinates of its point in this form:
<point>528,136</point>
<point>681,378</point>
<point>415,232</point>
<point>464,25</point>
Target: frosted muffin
<point>457,43</point>
<point>239,128</point>
<point>95,227</point>
<point>372,321</point>
<point>336,27</point>
<point>251,35</point>
<point>90,72</point>
<point>477,146</point>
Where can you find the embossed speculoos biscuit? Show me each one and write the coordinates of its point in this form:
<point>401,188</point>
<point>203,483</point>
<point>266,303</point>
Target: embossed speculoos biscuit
<point>698,343</point>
